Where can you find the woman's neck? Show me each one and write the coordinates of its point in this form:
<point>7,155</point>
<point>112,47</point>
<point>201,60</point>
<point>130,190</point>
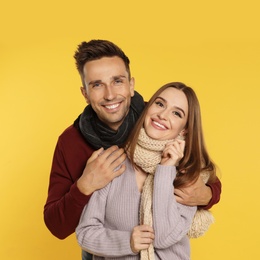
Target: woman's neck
<point>140,176</point>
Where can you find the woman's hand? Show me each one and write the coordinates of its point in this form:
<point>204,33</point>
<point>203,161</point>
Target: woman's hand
<point>141,238</point>
<point>173,152</point>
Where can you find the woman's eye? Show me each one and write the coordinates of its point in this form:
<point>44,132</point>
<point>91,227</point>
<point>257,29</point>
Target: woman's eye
<point>177,114</point>
<point>159,103</point>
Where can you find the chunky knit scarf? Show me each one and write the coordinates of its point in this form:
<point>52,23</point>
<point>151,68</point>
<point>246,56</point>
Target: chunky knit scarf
<point>98,134</point>
<point>202,218</point>
<point>147,156</point>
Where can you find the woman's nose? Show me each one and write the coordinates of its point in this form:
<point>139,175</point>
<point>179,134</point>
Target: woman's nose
<point>163,115</point>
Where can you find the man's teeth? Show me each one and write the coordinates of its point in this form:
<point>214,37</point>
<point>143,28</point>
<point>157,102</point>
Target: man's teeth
<point>112,106</point>
<point>156,123</point>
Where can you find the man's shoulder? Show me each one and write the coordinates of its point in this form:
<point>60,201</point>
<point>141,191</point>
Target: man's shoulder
<point>72,136</point>
<point>70,132</point>
<point>72,141</point>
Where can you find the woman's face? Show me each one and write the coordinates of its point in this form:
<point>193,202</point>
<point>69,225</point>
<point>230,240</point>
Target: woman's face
<point>167,116</point>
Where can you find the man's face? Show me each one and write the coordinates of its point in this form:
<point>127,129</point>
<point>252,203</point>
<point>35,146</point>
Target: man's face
<point>108,89</point>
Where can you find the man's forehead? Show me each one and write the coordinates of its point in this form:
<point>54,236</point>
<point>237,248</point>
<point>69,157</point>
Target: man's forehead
<point>105,69</point>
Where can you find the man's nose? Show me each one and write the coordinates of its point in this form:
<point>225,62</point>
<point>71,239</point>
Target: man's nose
<point>109,93</point>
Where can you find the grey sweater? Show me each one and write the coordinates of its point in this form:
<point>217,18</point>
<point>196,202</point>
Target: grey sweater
<point>108,219</point>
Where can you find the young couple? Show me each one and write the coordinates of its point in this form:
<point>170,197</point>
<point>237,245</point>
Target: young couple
<point>158,164</point>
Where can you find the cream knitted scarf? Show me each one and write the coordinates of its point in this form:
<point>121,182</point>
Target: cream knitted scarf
<point>147,155</point>
<point>202,218</point>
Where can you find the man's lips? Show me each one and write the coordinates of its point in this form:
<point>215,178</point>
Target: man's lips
<point>112,107</point>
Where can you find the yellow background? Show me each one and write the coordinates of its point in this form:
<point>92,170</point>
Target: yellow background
<point>212,46</point>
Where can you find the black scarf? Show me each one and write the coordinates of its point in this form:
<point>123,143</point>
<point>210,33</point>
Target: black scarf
<point>98,134</point>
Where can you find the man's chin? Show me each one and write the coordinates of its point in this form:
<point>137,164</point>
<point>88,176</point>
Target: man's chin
<point>114,122</point>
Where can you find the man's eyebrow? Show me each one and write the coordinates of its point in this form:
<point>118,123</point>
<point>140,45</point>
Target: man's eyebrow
<point>100,81</point>
<point>118,76</point>
<point>173,106</point>
<point>94,82</point>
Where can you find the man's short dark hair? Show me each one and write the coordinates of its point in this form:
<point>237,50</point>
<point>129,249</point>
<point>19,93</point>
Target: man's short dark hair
<point>97,49</point>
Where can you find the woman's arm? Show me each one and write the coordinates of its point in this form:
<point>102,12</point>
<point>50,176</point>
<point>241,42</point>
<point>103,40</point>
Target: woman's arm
<point>94,237</point>
<point>171,220</point>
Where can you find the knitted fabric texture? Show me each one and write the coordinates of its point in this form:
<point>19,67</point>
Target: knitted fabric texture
<point>147,155</point>
<point>202,218</point>
<point>98,134</point>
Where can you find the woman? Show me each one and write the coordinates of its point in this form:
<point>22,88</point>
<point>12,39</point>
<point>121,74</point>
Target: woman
<point>110,226</point>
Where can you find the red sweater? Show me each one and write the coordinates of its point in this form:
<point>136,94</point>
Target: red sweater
<point>65,202</point>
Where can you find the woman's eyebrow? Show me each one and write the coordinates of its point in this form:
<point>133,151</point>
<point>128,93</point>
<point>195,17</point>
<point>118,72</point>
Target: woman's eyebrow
<point>173,106</point>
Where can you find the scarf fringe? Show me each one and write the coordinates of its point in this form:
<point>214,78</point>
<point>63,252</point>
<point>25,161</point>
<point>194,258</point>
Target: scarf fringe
<point>200,223</point>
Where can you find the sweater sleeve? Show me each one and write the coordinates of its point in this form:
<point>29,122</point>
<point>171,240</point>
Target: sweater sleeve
<point>65,202</point>
<point>94,237</point>
<point>171,220</point>
<point>216,191</point>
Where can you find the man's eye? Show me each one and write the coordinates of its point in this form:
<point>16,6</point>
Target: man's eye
<point>118,81</point>
<point>96,85</point>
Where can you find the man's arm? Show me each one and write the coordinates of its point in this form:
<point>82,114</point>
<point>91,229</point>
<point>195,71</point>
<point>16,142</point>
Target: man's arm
<point>71,185</point>
<point>216,192</point>
<point>64,202</point>
<point>199,194</point>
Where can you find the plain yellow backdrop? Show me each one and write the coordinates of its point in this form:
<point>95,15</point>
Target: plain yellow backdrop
<point>212,46</point>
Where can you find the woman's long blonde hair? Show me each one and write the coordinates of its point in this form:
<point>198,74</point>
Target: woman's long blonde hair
<point>196,158</point>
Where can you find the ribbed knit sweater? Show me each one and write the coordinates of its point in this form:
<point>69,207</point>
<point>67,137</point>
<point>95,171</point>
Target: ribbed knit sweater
<point>108,219</point>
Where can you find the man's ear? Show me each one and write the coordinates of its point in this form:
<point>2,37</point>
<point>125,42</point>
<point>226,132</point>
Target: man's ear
<point>132,86</point>
<point>84,93</point>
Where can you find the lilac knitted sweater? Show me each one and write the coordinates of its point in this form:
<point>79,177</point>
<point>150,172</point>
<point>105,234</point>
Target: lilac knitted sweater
<point>108,219</point>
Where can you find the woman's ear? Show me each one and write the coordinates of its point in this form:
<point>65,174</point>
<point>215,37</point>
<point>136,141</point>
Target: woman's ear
<point>180,137</point>
<point>182,134</point>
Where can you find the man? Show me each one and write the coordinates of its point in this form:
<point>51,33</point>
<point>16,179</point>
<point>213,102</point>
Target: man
<point>103,127</point>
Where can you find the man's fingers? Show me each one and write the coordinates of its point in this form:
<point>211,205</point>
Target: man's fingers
<point>178,192</point>
<point>119,170</point>
<point>95,155</point>
<point>109,151</point>
<point>109,160</point>
<point>118,159</point>
<point>113,156</point>
<point>179,195</point>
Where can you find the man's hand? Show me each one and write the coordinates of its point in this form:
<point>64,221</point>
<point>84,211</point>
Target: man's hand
<point>101,168</point>
<point>141,238</point>
<point>196,194</point>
